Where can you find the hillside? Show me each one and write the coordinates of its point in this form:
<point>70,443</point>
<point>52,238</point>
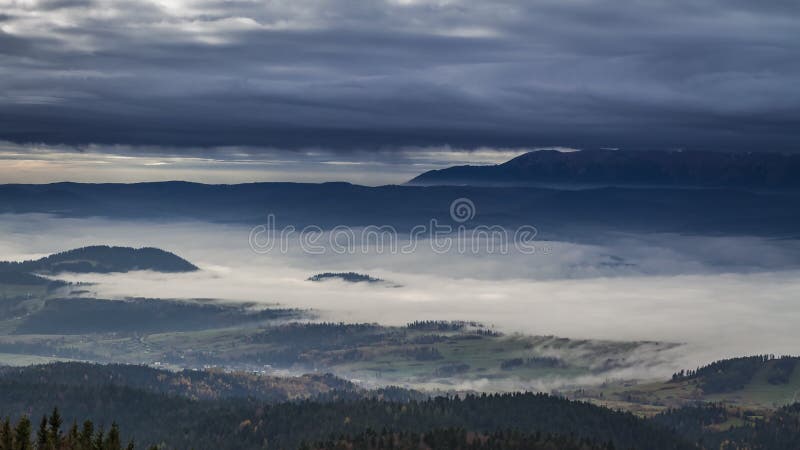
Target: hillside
<point>192,384</point>
<point>213,409</point>
<point>757,382</point>
<point>219,410</point>
<point>103,259</point>
<point>629,168</point>
<point>138,315</point>
<point>149,415</point>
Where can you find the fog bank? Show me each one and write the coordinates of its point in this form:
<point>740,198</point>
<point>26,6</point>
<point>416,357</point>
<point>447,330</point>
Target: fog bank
<point>722,296</point>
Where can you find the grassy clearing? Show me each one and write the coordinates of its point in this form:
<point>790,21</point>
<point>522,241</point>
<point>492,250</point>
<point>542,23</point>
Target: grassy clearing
<point>652,397</point>
<point>15,360</point>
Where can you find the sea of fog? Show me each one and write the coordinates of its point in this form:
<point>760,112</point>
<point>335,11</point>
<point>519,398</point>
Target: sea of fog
<point>721,296</point>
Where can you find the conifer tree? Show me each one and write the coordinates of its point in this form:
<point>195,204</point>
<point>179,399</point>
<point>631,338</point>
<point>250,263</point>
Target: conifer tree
<point>55,422</point>
<point>113,441</point>
<point>99,439</point>
<point>6,435</point>
<point>22,435</point>
<point>87,433</point>
<point>73,440</point>
<point>42,435</point>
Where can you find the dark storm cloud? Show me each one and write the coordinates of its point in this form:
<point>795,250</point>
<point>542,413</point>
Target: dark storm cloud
<point>350,74</point>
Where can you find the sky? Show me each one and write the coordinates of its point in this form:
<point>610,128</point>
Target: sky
<point>225,88</point>
<point>42,163</point>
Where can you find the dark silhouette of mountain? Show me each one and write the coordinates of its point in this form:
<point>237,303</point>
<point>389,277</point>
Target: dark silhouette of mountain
<point>563,214</point>
<point>103,259</point>
<point>629,168</point>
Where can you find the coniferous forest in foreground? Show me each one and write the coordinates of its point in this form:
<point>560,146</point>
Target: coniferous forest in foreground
<point>114,415</point>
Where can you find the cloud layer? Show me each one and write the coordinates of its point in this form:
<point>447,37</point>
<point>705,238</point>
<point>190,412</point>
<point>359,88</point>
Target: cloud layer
<point>351,74</point>
<point>37,163</point>
<point>721,296</point>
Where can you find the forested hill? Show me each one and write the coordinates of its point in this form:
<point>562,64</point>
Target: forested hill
<point>192,384</point>
<point>729,375</point>
<point>151,415</point>
<point>214,410</point>
<point>104,259</point>
<point>607,167</point>
<point>457,439</point>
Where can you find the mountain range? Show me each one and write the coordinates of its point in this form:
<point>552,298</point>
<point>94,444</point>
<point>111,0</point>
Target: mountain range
<point>556,213</point>
<point>604,167</point>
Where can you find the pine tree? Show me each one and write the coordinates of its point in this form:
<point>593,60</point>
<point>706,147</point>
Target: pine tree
<point>73,440</point>
<point>55,422</point>
<point>6,436</point>
<point>113,441</point>
<point>22,435</point>
<point>99,439</point>
<point>87,433</point>
<point>42,436</point>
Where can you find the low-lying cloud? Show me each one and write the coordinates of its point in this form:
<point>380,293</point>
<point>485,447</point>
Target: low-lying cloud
<point>721,296</point>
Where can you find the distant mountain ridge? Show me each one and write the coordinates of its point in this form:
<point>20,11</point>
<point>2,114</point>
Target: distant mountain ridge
<point>629,168</point>
<point>556,213</point>
<point>103,259</point>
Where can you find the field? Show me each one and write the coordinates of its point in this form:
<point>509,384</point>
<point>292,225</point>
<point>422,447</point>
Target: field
<point>56,322</point>
<point>438,355</point>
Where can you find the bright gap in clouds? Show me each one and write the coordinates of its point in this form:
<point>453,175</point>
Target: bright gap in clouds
<point>122,164</point>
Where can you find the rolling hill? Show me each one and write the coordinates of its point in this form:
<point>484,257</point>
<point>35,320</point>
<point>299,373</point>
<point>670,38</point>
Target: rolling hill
<point>762,382</point>
<point>226,411</point>
<point>103,259</point>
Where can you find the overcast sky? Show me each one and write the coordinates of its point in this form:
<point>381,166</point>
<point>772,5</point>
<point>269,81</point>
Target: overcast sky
<point>241,78</point>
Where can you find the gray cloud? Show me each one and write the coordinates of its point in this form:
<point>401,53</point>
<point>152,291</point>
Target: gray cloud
<point>351,74</point>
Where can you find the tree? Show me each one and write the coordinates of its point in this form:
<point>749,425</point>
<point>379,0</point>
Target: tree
<point>73,437</point>
<point>113,441</point>
<point>98,439</point>
<point>22,435</point>
<point>6,436</point>
<point>55,422</point>
<point>42,436</point>
<point>87,433</point>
